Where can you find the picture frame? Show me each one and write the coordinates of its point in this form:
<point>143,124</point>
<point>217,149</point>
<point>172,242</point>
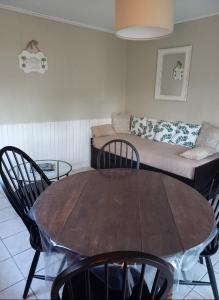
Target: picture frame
<point>173,69</point>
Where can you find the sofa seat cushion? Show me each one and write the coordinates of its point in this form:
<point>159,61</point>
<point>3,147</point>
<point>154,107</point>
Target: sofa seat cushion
<point>199,153</point>
<point>102,130</point>
<point>160,155</point>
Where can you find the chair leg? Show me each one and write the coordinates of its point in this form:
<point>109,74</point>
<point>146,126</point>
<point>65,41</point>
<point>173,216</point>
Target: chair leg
<point>31,273</point>
<point>212,277</point>
<point>201,260</point>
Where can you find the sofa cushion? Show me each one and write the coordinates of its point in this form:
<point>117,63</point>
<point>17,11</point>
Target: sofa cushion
<point>165,131</point>
<point>209,136</point>
<point>150,129</point>
<point>162,156</point>
<point>121,122</point>
<point>198,153</point>
<point>186,134</point>
<point>138,125</point>
<point>102,130</point>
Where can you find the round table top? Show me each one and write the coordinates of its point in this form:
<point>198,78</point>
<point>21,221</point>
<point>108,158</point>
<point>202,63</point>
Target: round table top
<point>100,211</point>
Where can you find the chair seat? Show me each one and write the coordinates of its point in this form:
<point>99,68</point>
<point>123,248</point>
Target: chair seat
<point>78,285</point>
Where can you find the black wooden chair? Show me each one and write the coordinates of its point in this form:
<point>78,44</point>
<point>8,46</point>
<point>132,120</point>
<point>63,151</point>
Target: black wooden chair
<point>82,282</point>
<point>118,154</point>
<point>23,181</point>
<point>212,248</point>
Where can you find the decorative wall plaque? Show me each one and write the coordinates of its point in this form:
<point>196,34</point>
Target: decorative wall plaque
<point>32,59</point>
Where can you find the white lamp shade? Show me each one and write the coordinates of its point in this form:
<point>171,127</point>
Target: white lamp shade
<point>144,19</point>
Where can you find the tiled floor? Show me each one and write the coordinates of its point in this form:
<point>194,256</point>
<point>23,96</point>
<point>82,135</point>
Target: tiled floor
<point>16,256</point>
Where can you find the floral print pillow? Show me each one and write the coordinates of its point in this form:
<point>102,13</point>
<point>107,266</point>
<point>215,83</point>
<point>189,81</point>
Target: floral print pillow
<point>186,134</point>
<point>138,126</point>
<point>150,129</point>
<point>165,131</point>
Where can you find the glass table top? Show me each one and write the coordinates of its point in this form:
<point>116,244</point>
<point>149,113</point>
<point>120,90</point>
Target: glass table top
<point>53,169</point>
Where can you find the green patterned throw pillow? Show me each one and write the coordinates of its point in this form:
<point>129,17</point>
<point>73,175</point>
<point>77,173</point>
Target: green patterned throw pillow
<point>138,126</point>
<point>150,129</point>
<point>165,131</point>
<point>186,134</point>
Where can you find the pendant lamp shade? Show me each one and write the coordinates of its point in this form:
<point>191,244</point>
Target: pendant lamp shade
<point>144,19</point>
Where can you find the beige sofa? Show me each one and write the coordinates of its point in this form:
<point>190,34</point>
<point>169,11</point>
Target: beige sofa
<point>165,158</point>
<point>160,155</point>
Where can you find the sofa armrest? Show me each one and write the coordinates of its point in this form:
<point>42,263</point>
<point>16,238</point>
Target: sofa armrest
<point>102,130</point>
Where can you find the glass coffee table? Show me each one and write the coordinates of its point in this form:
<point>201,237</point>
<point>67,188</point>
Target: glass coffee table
<point>53,169</point>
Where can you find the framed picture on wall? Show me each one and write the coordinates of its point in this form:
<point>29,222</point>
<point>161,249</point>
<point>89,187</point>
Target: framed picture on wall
<point>173,68</point>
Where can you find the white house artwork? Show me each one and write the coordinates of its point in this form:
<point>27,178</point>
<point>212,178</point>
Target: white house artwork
<point>178,71</point>
<point>32,59</point>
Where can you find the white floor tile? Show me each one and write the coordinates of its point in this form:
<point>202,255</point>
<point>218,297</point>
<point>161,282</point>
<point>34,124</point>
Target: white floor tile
<point>206,291</point>
<point>216,267</point>
<point>41,288</point>
<point>215,257</point>
<point>16,292</point>
<point>11,227</point>
<point>4,202</point>
<point>9,274</point>
<point>180,291</point>
<point>18,243</point>
<point>193,296</point>
<point>4,254</point>
<point>199,271</point>
<point>52,266</point>
<point>7,213</point>
<point>196,273</point>
<point>24,260</point>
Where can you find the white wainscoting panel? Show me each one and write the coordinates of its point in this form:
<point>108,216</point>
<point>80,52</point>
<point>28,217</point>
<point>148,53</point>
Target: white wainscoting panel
<point>67,140</point>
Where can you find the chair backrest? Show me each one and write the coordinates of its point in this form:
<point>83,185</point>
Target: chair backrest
<point>161,284</point>
<point>118,154</point>
<point>214,198</point>
<point>22,181</point>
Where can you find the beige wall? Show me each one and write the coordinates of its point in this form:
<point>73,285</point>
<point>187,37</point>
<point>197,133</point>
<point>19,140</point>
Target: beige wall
<point>86,76</point>
<point>92,74</point>
<point>203,92</point>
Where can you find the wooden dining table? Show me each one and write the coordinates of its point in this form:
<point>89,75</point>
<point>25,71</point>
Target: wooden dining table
<point>111,210</point>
